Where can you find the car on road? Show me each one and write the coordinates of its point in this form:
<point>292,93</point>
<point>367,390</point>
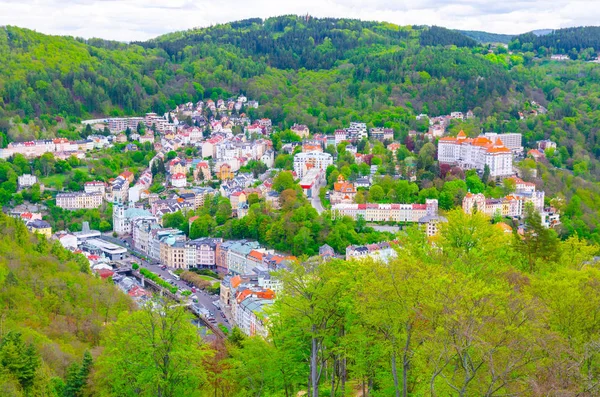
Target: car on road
<point>163,267</point>
<point>222,314</point>
<point>193,290</point>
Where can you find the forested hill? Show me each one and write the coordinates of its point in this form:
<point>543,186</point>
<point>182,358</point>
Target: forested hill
<point>485,37</point>
<point>571,41</point>
<point>290,42</point>
<point>53,311</point>
<point>321,72</point>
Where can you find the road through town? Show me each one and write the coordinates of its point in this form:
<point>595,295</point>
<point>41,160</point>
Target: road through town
<point>204,299</point>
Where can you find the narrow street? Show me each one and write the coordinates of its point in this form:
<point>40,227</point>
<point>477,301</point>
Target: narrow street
<point>316,203</point>
<point>205,300</point>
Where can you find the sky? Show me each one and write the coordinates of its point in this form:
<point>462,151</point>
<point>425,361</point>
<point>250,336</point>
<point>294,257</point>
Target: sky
<point>130,20</point>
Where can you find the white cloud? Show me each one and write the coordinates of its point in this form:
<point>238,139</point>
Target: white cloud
<point>128,20</point>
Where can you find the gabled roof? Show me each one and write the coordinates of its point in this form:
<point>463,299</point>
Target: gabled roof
<point>256,255</point>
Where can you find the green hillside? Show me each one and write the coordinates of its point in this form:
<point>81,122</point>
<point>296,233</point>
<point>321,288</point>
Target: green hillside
<point>579,42</point>
<point>322,72</point>
<point>486,37</point>
<point>53,312</point>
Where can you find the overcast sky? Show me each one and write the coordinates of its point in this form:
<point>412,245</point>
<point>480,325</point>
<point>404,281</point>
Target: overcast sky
<point>128,20</point>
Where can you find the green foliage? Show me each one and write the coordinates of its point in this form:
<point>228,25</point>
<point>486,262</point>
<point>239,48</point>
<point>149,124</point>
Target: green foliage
<point>485,37</point>
<point>408,325</point>
<point>152,276</point>
<point>572,41</point>
<point>283,181</point>
<point>152,353</point>
<point>19,359</point>
<point>53,313</point>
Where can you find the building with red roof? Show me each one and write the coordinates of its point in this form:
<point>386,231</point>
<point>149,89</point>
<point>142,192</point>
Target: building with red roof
<point>179,180</point>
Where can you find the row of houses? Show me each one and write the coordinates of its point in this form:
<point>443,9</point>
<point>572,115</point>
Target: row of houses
<point>60,147</point>
<point>247,297</point>
<point>95,192</point>
<point>424,214</point>
<point>512,205</point>
<point>378,251</point>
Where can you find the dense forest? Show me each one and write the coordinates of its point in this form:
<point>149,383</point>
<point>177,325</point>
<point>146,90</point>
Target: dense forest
<point>369,68</point>
<point>576,42</point>
<point>485,37</point>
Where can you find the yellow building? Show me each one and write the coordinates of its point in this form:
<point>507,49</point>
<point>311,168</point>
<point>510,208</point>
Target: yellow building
<point>225,172</point>
<point>178,168</point>
<point>40,227</point>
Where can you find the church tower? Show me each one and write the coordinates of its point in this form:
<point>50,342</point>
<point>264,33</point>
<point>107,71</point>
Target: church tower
<point>118,217</point>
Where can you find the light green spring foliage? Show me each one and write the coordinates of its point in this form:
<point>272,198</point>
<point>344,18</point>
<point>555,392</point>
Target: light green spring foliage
<point>464,314</point>
<point>52,312</point>
<point>156,351</point>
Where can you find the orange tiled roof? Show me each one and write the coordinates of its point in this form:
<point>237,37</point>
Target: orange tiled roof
<point>236,281</point>
<point>498,150</point>
<point>343,187</point>
<point>256,255</point>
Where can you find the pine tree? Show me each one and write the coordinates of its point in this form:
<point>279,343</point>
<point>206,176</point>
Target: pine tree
<point>486,174</point>
<point>77,376</point>
<point>19,359</point>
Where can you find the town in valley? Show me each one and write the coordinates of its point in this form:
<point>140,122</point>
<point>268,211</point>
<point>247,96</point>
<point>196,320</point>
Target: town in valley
<point>210,159</point>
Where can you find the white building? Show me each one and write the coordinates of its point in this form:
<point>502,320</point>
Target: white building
<point>386,212</point>
<point>268,158</point>
<point>95,187</point>
<point>305,161</point>
<point>476,154</point>
<point>67,240</point>
<point>27,180</point>
<point>141,230</point>
<point>312,181</point>
<point>512,140</point>
<point>78,200</point>
<point>179,180</point>
<point>124,217</point>
<point>512,205</point>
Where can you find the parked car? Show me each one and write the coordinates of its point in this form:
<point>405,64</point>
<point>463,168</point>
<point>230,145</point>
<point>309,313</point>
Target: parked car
<point>193,290</point>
